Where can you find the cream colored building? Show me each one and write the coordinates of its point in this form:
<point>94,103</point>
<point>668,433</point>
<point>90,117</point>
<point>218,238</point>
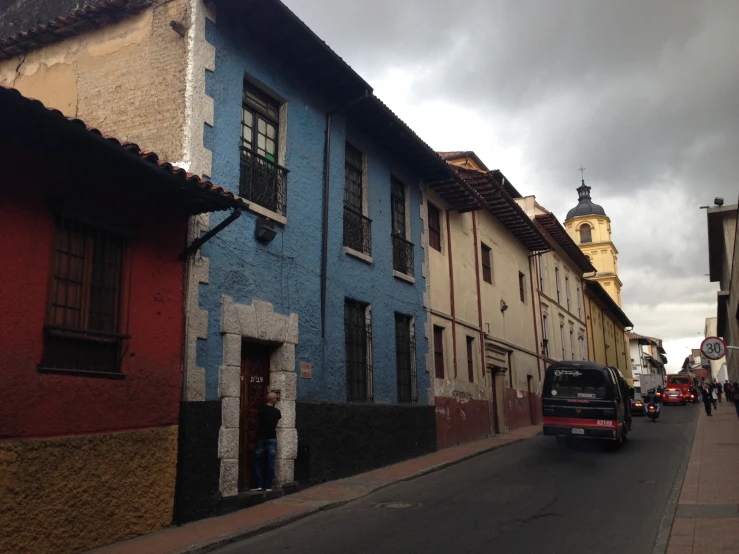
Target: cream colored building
<point>559,286</point>
<point>482,309</point>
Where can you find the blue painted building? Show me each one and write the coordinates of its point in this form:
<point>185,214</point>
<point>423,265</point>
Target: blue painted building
<point>317,291</point>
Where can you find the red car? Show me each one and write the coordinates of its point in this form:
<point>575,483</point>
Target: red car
<point>674,396</point>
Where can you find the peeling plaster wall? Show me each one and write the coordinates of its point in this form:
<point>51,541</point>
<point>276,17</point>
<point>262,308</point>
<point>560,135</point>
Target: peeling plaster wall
<point>127,78</point>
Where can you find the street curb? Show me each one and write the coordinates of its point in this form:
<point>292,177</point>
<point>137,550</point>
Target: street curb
<point>665,527</point>
<point>220,542</point>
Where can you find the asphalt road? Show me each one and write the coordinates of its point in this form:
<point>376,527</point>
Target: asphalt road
<point>530,497</point>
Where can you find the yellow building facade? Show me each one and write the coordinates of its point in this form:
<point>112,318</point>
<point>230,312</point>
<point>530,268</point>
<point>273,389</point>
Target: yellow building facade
<point>482,310</point>
<point>607,324</point>
<point>590,228</point>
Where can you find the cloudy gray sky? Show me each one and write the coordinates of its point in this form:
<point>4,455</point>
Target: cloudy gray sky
<point>644,94</point>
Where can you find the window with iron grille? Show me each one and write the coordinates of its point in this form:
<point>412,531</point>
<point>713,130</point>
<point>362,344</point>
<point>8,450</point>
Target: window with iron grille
<point>434,227</point>
<point>439,351</point>
<point>357,227</point>
<point>559,292</point>
<point>487,265</point>
<point>470,362</point>
<point>522,286</point>
<point>358,342</point>
<point>545,332</point>
<point>572,343</point>
<point>83,317</point>
<point>579,303</point>
<point>405,356</point>
<point>567,292</point>
<point>402,247</point>
<point>262,181</point>
<point>562,340</point>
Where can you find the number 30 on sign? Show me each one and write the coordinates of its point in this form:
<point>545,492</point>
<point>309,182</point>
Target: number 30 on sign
<point>713,348</point>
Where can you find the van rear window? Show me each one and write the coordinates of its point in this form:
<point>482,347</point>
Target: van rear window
<point>678,380</point>
<point>576,383</point>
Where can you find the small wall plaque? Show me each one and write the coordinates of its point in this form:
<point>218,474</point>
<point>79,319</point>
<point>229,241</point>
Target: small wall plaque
<point>306,370</point>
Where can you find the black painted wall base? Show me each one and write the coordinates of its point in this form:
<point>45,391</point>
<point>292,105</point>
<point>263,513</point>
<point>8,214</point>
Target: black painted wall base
<point>337,440</point>
<point>197,493</point>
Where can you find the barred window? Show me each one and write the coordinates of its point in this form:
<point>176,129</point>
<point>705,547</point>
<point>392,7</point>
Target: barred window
<point>358,342</point>
<point>434,227</point>
<point>405,355</point>
<point>439,351</point>
<point>559,292</point>
<point>402,248</point>
<point>83,318</point>
<point>470,362</point>
<point>522,286</point>
<point>567,292</point>
<point>487,264</point>
<point>357,226</point>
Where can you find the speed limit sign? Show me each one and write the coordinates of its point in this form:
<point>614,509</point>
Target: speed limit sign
<point>713,348</point>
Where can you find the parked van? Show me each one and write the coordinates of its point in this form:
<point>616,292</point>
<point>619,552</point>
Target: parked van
<point>586,400</point>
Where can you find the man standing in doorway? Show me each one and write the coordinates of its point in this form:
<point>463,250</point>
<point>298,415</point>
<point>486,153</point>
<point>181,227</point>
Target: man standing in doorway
<point>266,445</point>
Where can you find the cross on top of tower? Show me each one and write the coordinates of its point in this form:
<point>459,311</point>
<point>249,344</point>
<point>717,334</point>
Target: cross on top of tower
<point>582,172</point>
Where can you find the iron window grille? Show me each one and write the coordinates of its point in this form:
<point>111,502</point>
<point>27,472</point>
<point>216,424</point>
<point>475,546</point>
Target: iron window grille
<point>522,286</point>
<point>357,226</point>
<point>358,343</point>
<point>405,355</point>
<point>567,292</point>
<point>262,180</point>
<point>83,317</point>
<point>487,266</point>
<point>439,351</point>
<point>434,215</point>
<point>470,363</point>
<point>562,340</point>
<point>579,303</point>
<point>357,231</point>
<point>545,332</point>
<point>402,255</point>
<point>572,343</point>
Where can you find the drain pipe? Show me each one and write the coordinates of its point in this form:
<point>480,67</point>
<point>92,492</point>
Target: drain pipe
<point>326,190</point>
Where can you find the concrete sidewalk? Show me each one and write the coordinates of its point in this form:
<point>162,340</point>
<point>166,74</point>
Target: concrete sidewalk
<point>212,533</point>
<point>707,516</point>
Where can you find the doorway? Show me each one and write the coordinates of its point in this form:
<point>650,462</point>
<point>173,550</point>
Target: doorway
<point>254,388</point>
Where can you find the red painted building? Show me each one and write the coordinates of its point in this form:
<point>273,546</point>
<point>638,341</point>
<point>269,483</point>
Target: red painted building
<point>93,236</point>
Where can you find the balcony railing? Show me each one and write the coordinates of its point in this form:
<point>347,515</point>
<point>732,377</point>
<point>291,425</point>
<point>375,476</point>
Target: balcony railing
<point>263,182</point>
<point>402,255</point>
<point>357,231</point>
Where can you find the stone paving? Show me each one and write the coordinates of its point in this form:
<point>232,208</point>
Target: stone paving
<point>208,534</point>
<point>707,516</point>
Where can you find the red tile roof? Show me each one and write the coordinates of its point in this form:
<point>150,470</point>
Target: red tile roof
<point>83,19</point>
<point>194,183</point>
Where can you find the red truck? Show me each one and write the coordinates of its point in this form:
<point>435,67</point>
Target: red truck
<point>682,382</point>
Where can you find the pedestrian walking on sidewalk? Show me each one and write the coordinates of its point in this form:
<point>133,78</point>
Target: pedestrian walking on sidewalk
<point>714,397</point>
<point>719,390</point>
<point>735,393</point>
<point>266,446</point>
<point>728,391</point>
<point>706,395</point>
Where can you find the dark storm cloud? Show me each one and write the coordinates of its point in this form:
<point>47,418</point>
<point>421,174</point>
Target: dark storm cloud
<point>644,94</point>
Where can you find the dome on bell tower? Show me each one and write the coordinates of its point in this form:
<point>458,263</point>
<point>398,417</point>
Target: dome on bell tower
<point>585,205</point>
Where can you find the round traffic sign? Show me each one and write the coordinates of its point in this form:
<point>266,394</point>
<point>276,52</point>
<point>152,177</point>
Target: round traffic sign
<point>713,348</point>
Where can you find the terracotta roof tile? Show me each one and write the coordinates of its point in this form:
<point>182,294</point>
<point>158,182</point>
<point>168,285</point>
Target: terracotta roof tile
<point>88,17</point>
<point>188,179</point>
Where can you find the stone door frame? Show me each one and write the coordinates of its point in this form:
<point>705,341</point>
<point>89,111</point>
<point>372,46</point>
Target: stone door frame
<point>257,322</point>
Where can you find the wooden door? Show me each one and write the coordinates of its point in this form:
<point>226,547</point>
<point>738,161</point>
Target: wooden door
<point>254,388</point>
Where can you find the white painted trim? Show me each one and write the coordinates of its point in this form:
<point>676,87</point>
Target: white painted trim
<point>362,257</point>
<point>260,210</point>
<point>404,277</point>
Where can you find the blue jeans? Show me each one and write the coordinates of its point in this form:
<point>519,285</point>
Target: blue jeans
<point>268,447</point>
